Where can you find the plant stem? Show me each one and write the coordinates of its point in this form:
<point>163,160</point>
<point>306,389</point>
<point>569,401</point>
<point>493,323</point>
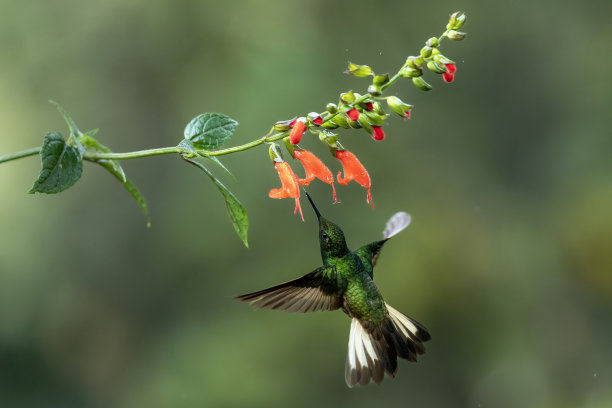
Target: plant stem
<point>132,155</point>
<point>18,155</point>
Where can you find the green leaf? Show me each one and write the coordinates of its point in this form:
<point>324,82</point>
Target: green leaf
<point>210,130</point>
<point>74,130</point>
<point>116,170</point>
<point>62,165</point>
<point>235,210</point>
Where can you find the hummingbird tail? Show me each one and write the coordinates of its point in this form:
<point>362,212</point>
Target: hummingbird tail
<point>373,349</point>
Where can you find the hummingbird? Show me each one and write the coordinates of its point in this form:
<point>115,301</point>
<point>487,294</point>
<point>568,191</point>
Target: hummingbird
<point>379,334</point>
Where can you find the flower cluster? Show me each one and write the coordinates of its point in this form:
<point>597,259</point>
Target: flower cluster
<point>357,111</point>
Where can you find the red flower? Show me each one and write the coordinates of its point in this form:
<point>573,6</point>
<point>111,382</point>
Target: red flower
<point>353,114</point>
<point>314,167</point>
<point>450,75</point>
<point>290,186</point>
<point>298,129</point>
<point>318,121</point>
<point>353,170</point>
<point>369,106</point>
<point>379,133</point>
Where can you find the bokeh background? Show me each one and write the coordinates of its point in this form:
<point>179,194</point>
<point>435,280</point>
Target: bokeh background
<point>507,174</point>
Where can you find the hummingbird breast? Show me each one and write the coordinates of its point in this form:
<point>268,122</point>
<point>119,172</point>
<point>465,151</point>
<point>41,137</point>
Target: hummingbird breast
<point>362,300</point>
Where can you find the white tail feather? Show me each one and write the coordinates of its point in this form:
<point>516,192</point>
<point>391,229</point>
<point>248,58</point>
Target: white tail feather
<point>397,223</point>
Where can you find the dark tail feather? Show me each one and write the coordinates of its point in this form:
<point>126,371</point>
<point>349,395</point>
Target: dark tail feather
<point>373,352</point>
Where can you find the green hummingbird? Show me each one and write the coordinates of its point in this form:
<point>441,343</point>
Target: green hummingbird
<point>379,333</point>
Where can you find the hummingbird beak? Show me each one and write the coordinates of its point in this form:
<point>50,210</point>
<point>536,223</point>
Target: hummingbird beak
<point>313,206</point>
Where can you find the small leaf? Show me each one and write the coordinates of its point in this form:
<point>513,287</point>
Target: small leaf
<point>235,210</point>
<point>210,130</point>
<point>62,165</point>
<point>116,170</point>
<point>74,130</point>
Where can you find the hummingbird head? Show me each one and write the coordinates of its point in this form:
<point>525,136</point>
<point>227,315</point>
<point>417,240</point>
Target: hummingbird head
<point>331,237</point>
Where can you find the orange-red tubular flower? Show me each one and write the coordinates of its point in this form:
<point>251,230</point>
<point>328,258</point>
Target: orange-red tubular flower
<point>314,167</point>
<point>353,170</point>
<point>290,186</point>
<point>298,129</point>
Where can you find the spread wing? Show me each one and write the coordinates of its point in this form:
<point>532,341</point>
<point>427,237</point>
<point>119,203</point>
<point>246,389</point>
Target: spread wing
<point>309,293</point>
<point>369,253</point>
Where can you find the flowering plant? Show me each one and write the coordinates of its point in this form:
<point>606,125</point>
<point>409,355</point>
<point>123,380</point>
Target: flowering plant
<point>62,159</point>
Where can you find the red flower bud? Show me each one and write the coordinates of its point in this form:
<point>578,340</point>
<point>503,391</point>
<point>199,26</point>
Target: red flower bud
<point>318,121</point>
<point>452,68</point>
<point>314,167</point>
<point>448,77</point>
<point>353,170</point>
<point>369,106</point>
<point>353,114</point>
<point>379,133</point>
<point>290,187</point>
<point>299,127</point>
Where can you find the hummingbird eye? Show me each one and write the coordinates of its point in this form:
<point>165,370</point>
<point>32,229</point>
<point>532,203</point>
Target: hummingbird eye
<point>324,235</point>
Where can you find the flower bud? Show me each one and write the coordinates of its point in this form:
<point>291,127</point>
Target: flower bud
<point>315,118</point>
<point>378,133</point>
<point>408,72</point>
<point>289,146</point>
<point>358,70</point>
<point>329,124</point>
<point>374,118</point>
<point>275,153</point>
<point>442,60</point>
<point>348,97</point>
<point>418,62</point>
<point>432,42</point>
<point>332,107</point>
<point>299,127</point>
<point>434,67</point>
<point>353,114</point>
<point>426,51</point>
<point>399,107</point>
<point>283,125</point>
<point>456,21</point>
<point>365,123</point>
<point>456,35</point>
<point>339,120</point>
<point>421,84</point>
<point>374,90</point>
<point>380,80</point>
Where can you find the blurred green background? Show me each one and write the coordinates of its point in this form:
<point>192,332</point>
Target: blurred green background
<point>506,172</point>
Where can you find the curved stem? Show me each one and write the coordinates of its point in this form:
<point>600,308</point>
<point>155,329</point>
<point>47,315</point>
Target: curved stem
<point>132,155</point>
<point>18,155</point>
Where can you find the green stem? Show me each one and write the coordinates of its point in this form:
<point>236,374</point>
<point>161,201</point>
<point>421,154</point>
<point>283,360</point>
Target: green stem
<point>93,156</point>
<point>18,155</point>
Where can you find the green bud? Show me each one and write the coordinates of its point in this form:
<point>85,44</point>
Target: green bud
<point>418,62</point>
<point>380,80</point>
<point>408,72</point>
<point>377,108</point>
<point>374,90</point>
<point>456,35</point>
<point>456,21</point>
<point>275,153</point>
<point>341,120</point>
<point>358,70</point>
<point>410,62</point>
<point>398,106</point>
<point>434,67</point>
<point>432,42</point>
<point>426,52</point>
<point>330,125</point>
<point>283,125</point>
<point>289,146</point>
<point>435,51</point>
<point>365,123</point>
<point>421,84</point>
<point>373,117</point>
<point>348,97</point>
<point>442,60</point>
<point>332,107</point>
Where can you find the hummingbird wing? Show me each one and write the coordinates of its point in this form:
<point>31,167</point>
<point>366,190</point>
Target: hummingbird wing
<point>369,253</point>
<point>309,293</point>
